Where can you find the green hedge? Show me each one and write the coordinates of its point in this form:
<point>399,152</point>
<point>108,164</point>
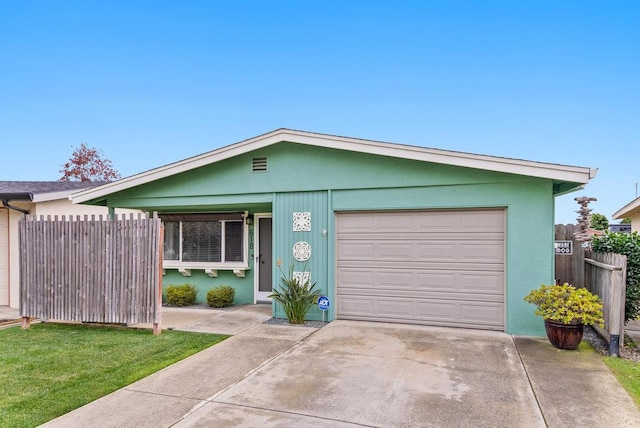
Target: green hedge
<point>629,245</point>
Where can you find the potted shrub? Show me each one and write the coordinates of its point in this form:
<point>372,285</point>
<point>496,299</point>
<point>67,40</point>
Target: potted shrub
<point>565,310</point>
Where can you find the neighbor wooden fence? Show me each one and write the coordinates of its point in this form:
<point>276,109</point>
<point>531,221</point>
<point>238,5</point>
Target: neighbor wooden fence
<point>603,274</point>
<point>91,270</point>
<point>606,275</point>
<point>569,267</point>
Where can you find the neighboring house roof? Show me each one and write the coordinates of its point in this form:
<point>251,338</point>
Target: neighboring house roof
<point>40,191</point>
<point>629,210</point>
<point>566,178</point>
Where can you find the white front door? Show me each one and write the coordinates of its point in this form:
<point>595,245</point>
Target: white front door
<point>263,258</point>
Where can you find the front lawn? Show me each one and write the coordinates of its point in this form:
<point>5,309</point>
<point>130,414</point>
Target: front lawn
<point>628,374</point>
<point>51,369</point>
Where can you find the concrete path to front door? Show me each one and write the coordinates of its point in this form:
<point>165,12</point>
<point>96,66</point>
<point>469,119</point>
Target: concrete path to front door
<point>355,374</point>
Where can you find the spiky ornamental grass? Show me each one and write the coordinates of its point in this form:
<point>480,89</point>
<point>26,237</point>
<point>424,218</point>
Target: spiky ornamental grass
<point>51,369</point>
<point>296,297</point>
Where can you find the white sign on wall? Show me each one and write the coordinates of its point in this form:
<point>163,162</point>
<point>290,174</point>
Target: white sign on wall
<point>563,247</point>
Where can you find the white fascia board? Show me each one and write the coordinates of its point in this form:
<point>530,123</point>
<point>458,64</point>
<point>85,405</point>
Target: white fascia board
<point>567,173</point>
<point>51,196</point>
<point>171,169</point>
<point>468,160</point>
<point>628,210</point>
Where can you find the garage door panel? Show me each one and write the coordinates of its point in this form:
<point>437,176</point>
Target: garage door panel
<point>480,220</point>
<point>486,313</point>
<point>394,281</point>
<point>459,252</point>
<point>355,250</point>
<point>402,264</point>
<point>488,252</point>
<point>425,267</point>
<point>381,292</point>
<point>415,221</point>
<point>394,251</point>
<point>421,251</point>
<point>418,236</point>
<point>429,312</point>
<point>482,282</point>
<point>353,307</point>
<point>394,308</point>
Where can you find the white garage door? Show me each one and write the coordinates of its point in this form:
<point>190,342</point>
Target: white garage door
<point>422,267</point>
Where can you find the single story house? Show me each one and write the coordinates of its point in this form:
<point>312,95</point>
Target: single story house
<point>38,198</point>
<point>389,232</point>
<point>631,210</point>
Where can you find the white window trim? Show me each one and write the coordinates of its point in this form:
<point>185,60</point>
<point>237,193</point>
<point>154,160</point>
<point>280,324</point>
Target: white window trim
<point>238,268</point>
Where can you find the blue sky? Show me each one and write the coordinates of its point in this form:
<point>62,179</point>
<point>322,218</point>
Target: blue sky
<point>153,82</point>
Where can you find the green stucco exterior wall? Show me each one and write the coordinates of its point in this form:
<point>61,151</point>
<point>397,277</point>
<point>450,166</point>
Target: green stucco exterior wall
<point>243,286</point>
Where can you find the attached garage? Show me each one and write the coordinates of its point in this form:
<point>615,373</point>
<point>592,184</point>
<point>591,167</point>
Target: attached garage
<point>437,267</point>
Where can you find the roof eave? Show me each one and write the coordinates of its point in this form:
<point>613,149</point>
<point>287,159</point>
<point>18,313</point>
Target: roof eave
<point>16,196</point>
<point>628,210</point>
<point>558,173</point>
<point>52,196</point>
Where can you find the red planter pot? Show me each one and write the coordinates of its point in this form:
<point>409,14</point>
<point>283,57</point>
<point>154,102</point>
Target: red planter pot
<point>564,336</point>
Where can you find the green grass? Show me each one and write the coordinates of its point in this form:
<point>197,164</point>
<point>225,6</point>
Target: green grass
<point>628,374</point>
<point>51,369</point>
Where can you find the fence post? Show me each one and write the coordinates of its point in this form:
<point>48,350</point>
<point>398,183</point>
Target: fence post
<point>616,287</point>
<point>158,306</point>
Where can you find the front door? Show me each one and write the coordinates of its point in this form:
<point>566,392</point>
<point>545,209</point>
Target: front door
<point>264,262</point>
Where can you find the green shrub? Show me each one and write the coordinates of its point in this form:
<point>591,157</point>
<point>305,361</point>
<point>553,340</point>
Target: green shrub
<point>629,245</point>
<point>182,295</point>
<point>221,297</point>
<point>295,297</point>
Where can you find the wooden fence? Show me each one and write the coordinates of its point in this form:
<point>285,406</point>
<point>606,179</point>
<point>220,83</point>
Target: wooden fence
<point>602,274</point>
<point>569,266</point>
<point>91,270</point>
<point>606,275</point>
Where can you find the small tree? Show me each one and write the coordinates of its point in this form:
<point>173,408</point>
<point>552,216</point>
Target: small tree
<point>626,220</point>
<point>87,164</point>
<point>599,222</point>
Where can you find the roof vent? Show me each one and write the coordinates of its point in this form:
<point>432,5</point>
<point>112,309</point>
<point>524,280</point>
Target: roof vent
<point>259,164</point>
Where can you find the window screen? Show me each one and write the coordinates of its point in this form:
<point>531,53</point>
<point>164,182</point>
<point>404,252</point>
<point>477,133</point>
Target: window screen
<point>214,238</point>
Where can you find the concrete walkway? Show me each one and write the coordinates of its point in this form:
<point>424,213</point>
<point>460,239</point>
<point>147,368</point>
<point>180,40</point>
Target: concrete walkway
<point>632,329</point>
<point>355,374</point>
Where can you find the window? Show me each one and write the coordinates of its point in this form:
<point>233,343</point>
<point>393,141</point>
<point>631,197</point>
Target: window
<point>204,238</point>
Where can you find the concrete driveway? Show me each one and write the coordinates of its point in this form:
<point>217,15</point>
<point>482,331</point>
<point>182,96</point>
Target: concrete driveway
<point>354,374</point>
<point>384,375</point>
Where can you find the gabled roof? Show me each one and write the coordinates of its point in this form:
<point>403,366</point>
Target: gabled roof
<point>40,191</point>
<point>629,210</point>
<point>576,176</point>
